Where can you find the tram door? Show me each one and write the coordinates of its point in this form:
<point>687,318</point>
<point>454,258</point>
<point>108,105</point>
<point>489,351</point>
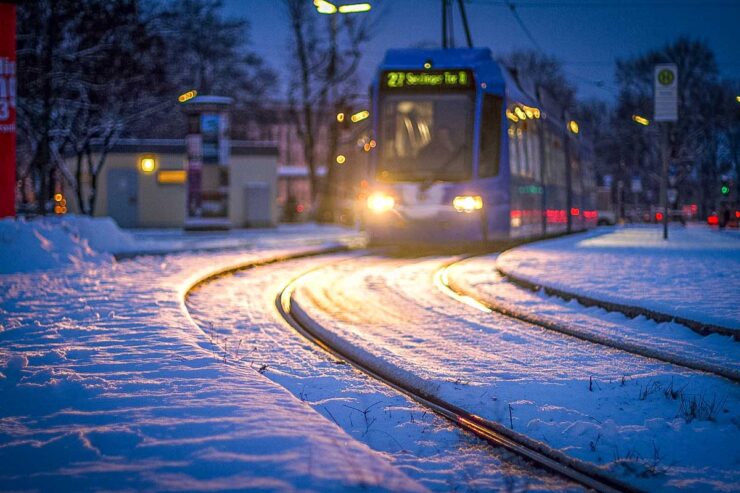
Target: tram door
<point>123,185</point>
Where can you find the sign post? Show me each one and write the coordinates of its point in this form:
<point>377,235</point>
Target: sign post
<point>666,110</point>
<point>7,109</point>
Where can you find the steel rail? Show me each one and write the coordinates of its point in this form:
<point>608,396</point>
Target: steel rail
<point>573,469</point>
<point>454,291</point>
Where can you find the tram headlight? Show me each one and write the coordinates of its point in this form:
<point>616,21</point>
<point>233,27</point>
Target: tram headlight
<point>467,203</point>
<point>379,202</point>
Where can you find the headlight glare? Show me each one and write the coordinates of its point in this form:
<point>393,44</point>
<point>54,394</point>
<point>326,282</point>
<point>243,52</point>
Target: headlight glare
<point>380,202</point>
<point>467,203</point>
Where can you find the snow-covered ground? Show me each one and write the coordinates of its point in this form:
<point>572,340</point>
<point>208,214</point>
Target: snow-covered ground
<point>694,275</point>
<point>105,384</point>
<point>655,425</point>
<point>478,279</point>
<point>237,313</point>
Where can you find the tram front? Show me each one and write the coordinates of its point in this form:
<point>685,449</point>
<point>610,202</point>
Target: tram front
<point>423,189</point>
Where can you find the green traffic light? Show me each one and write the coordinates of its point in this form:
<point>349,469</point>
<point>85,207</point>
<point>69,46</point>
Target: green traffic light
<point>725,190</point>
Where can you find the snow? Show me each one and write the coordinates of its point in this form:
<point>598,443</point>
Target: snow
<point>657,426</point>
<point>236,312</point>
<point>106,384</point>
<point>694,275</point>
<point>477,278</point>
<point>51,242</point>
<point>57,241</point>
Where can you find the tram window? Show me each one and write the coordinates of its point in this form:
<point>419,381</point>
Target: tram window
<point>490,136</point>
<point>555,171</point>
<point>426,137</point>
<point>533,143</point>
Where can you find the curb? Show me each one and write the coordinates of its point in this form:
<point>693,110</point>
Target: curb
<point>549,324</point>
<point>631,311</point>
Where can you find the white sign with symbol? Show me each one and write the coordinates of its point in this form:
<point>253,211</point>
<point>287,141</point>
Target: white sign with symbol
<point>666,93</point>
<point>672,195</point>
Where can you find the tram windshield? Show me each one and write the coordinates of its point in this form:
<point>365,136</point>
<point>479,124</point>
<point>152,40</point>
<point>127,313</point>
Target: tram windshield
<point>426,137</point>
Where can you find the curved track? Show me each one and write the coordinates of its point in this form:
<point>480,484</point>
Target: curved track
<point>493,433</point>
<point>351,308</point>
<point>453,290</point>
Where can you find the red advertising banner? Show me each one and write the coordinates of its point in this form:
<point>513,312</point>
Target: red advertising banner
<point>7,109</point>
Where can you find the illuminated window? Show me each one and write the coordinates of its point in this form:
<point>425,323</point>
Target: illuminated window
<point>171,177</point>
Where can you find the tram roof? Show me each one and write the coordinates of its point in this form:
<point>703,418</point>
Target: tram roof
<point>480,60</point>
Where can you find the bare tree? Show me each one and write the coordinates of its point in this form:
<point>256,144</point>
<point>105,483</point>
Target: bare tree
<point>87,69</point>
<point>696,145</point>
<point>326,54</point>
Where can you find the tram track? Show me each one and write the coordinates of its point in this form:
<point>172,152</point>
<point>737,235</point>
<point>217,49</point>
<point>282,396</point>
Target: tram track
<point>493,433</point>
<point>497,435</point>
<point>455,291</point>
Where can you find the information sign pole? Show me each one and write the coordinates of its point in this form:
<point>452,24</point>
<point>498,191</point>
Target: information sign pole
<point>666,110</point>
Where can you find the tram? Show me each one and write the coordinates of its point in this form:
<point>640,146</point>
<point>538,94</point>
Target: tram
<point>464,154</point>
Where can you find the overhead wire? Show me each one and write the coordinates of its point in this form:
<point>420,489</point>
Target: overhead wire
<point>513,9</point>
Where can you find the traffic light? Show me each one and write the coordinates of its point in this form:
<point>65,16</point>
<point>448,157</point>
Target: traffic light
<point>725,188</point>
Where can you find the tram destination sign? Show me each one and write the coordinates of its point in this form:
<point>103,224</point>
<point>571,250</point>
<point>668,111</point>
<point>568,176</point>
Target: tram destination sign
<point>452,79</point>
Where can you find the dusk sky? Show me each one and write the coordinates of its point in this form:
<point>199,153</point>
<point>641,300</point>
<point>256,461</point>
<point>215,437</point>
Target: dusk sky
<point>586,35</point>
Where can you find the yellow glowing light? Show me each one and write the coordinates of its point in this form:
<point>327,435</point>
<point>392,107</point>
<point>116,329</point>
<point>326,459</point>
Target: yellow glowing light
<point>354,8</point>
<point>341,159</point>
<point>511,132</point>
<point>511,116</point>
<point>373,143</point>
<point>737,98</point>
<point>359,116</point>
<point>379,202</point>
<point>325,7</point>
<point>522,115</point>
<point>467,203</point>
<point>172,176</point>
<point>641,120</point>
<point>58,197</point>
<point>147,164</point>
<point>529,112</point>
<point>187,96</point>
<point>441,280</point>
<point>340,117</point>
<point>536,112</point>
<point>366,147</point>
<point>428,65</point>
<point>573,126</point>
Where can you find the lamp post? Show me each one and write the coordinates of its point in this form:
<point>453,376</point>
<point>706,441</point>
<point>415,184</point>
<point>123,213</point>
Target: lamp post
<point>327,205</point>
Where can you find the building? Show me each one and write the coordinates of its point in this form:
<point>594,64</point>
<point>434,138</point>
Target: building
<point>143,183</point>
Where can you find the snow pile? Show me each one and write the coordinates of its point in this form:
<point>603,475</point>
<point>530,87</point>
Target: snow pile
<point>694,275</point>
<point>50,242</point>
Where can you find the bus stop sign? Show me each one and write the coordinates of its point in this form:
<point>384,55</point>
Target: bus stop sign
<point>666,93</point>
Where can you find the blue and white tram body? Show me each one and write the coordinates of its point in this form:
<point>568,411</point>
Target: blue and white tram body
<point>465,155</point>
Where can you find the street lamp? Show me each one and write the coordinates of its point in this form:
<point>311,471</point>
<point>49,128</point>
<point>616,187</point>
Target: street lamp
<point>328,8</point>
<point>641,120</point>
<point>359,116</point>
